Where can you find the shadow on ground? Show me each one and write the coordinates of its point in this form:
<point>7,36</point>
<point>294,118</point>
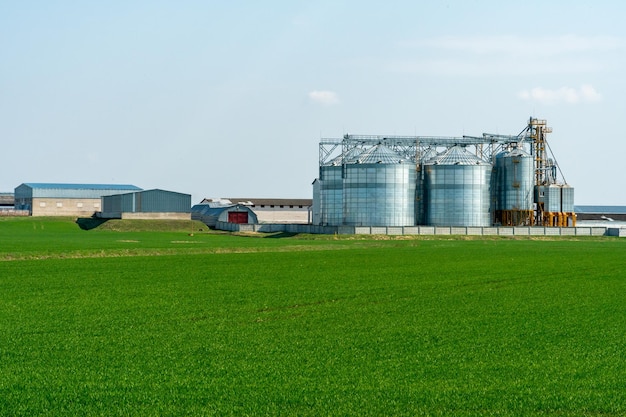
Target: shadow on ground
<point>88,223</point>
<point>281,235</point>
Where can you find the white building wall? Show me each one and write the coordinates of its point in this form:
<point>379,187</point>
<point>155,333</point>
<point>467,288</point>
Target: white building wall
<point>283,215</point>
<point>64,206</point>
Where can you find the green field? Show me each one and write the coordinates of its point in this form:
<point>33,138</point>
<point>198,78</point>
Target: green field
<point>123,319</point>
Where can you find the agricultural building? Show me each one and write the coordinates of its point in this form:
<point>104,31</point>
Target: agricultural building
<point>484,181</point>
<point>53,199</point>
<point>7,200</point>
<point>456,189</point>
<point>210,212</point>
<point>273,210</point>
<point>7,206</point>
<point>147,204</point>
<point>601,213</point>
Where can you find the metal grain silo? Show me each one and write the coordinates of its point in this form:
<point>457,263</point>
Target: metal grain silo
<point>457,189</point>
<point>331,194</point>
<point>548,198</point>
<point>567,199</point>
<point>331,188</point>
<point>379,189</point>
<point>568,217</point>
<point>513,187</point>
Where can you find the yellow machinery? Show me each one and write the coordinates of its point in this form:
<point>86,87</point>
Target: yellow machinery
<point>554,202</point>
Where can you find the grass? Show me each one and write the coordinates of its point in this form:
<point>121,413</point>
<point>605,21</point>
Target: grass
<point>308,325</point>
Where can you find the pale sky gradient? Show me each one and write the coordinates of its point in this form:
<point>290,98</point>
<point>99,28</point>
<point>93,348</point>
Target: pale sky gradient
<point>231,98</point>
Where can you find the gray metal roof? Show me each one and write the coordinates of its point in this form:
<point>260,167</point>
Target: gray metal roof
<point>55,190</point>
<point>378,154</point>
<point>62,186</point>
<point>263,201</point>
<point>601,209</point>
<point>154,190</point>
<point>456,155</point>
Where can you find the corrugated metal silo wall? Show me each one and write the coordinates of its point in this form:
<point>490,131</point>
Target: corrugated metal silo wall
<point>379,194</point>
<point>567,199</point>
<point>457,195</point>
<point>331,195</point>
<point>550,196</point>
<point>517,182</point>
<point>315,207</point>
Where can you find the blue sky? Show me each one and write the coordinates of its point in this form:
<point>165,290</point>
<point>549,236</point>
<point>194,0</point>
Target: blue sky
<point>221,99</point>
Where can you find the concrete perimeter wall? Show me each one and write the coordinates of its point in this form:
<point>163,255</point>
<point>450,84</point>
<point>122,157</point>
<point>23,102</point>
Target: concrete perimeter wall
<point>14,213</point>
<point>423,230</point>
<point>157,216</point>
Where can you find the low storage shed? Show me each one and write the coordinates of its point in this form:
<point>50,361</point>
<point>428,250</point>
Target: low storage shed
<point>148,204</point>
<point>239,214</point>
<point>273,210</point>
<point>7,200</point>
<point>211,213</point>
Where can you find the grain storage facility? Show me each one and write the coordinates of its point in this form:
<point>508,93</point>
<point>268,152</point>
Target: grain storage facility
<point>513,187</point>
<point>148,204</point>
<point>457,189</point>
<point>53,199</point>
<point>481,181</point>
<point>378,189</point>
<point>330,190</point>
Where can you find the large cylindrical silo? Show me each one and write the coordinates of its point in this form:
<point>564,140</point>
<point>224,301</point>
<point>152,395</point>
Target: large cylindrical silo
<point>331,195</point>
<point>514,174</point>
<point>379,189</point>
<point>331,188</point>
<point>457,189</point>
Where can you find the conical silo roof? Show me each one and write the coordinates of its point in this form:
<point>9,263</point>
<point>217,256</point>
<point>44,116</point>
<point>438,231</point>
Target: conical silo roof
<point>428,154</point>
<point>348,157</point>
<point>456,155</point>
<point>379,154</point>
<point>518,152</point>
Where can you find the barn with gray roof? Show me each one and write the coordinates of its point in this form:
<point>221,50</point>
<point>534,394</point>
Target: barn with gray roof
<point>55,199</point>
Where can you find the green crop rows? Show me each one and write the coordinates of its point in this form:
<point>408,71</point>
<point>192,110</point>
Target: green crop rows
<point>131,321</point>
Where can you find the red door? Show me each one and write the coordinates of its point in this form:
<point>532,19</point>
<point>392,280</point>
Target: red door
<point>239,217</point>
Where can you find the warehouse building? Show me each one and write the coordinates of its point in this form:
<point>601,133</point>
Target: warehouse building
<point>7,200</point>
<point>212,212</point>
<point>7,206</point>
<point>273,210</point>
<point>601,213</point>
<point>54,199</point>
<point>147,204</point>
